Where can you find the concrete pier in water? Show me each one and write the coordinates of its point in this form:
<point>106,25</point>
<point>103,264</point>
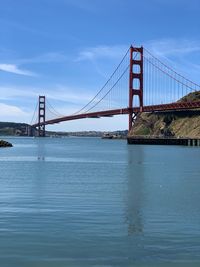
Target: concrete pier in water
<point>140,140</point>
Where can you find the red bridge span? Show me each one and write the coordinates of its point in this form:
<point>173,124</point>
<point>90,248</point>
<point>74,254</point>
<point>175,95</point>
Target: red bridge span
<point>140,83</point>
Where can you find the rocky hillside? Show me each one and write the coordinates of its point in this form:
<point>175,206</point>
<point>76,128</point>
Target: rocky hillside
<point>177,124</point>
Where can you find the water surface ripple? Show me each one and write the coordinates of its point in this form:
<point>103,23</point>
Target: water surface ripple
<point>92,202</point>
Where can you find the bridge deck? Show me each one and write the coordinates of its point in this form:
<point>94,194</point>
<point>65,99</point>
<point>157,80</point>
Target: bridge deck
<point>108,113</point>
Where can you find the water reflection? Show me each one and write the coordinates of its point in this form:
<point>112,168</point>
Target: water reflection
<point>135,196</point>
<point>39,178</point>
<point>41,158</point>
<point>41,149</point>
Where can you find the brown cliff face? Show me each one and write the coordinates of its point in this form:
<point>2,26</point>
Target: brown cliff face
<point>177,124</point>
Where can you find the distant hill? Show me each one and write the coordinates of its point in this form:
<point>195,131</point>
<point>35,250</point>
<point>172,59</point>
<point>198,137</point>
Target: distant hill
<point>177,124</point>
<point>12,128</point>
<point>20,129</point>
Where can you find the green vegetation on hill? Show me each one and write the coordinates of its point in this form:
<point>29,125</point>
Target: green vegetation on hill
<point>12,128</point>
<point>177,124</point>
<point>192,97</point>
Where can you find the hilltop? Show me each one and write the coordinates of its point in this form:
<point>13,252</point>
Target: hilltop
<point>174,124</point>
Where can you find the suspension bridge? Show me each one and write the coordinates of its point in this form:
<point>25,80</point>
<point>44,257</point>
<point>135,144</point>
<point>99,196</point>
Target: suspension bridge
<point>140,83</point>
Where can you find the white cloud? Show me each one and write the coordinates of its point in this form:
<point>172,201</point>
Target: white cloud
<point>57,92</point>
<point>8,110</point>
<point>97,52</point>
<point>12,68</point>
<point>173,47</point>
<point>13,113</point>
<point>65,100</point>
<point>13,92</point>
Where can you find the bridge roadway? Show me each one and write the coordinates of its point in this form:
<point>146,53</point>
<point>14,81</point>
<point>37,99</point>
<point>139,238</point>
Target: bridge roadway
<point>108,113</point>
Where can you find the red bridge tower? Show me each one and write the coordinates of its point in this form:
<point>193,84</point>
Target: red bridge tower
<point>135,80</point>
<point>41,116</point>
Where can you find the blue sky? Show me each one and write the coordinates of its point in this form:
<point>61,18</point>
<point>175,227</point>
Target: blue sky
<point>67,49</point>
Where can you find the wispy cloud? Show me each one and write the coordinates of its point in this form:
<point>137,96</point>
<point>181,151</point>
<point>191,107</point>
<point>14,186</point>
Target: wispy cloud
<point>12,68</point>
<point>45,58</point>
<point>173,47</point>
<point>8,110</point>
<point>14,113</point>
<point>65,100</point>
<point>102,51</point>
<point>101,56</point>
<point>69,94</point>
<point>15,67</point>
<point>58,93</point>
<point>181,54</point>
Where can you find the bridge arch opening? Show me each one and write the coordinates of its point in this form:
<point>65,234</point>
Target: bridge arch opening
<point>136,101</point>
<point>136,84</point>
<point>136,55</point>
<point>136,69</point>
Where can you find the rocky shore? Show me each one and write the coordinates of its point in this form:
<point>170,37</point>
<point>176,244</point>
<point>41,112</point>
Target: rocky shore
<point>5,144</point>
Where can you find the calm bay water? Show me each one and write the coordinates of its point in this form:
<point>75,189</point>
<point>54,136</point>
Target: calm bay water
<point>92,202</point>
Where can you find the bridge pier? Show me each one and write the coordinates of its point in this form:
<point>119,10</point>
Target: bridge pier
<point>148,140</point>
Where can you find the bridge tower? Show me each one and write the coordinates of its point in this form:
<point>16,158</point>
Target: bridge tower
<point>41,116</point>
<point>135,80</point>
